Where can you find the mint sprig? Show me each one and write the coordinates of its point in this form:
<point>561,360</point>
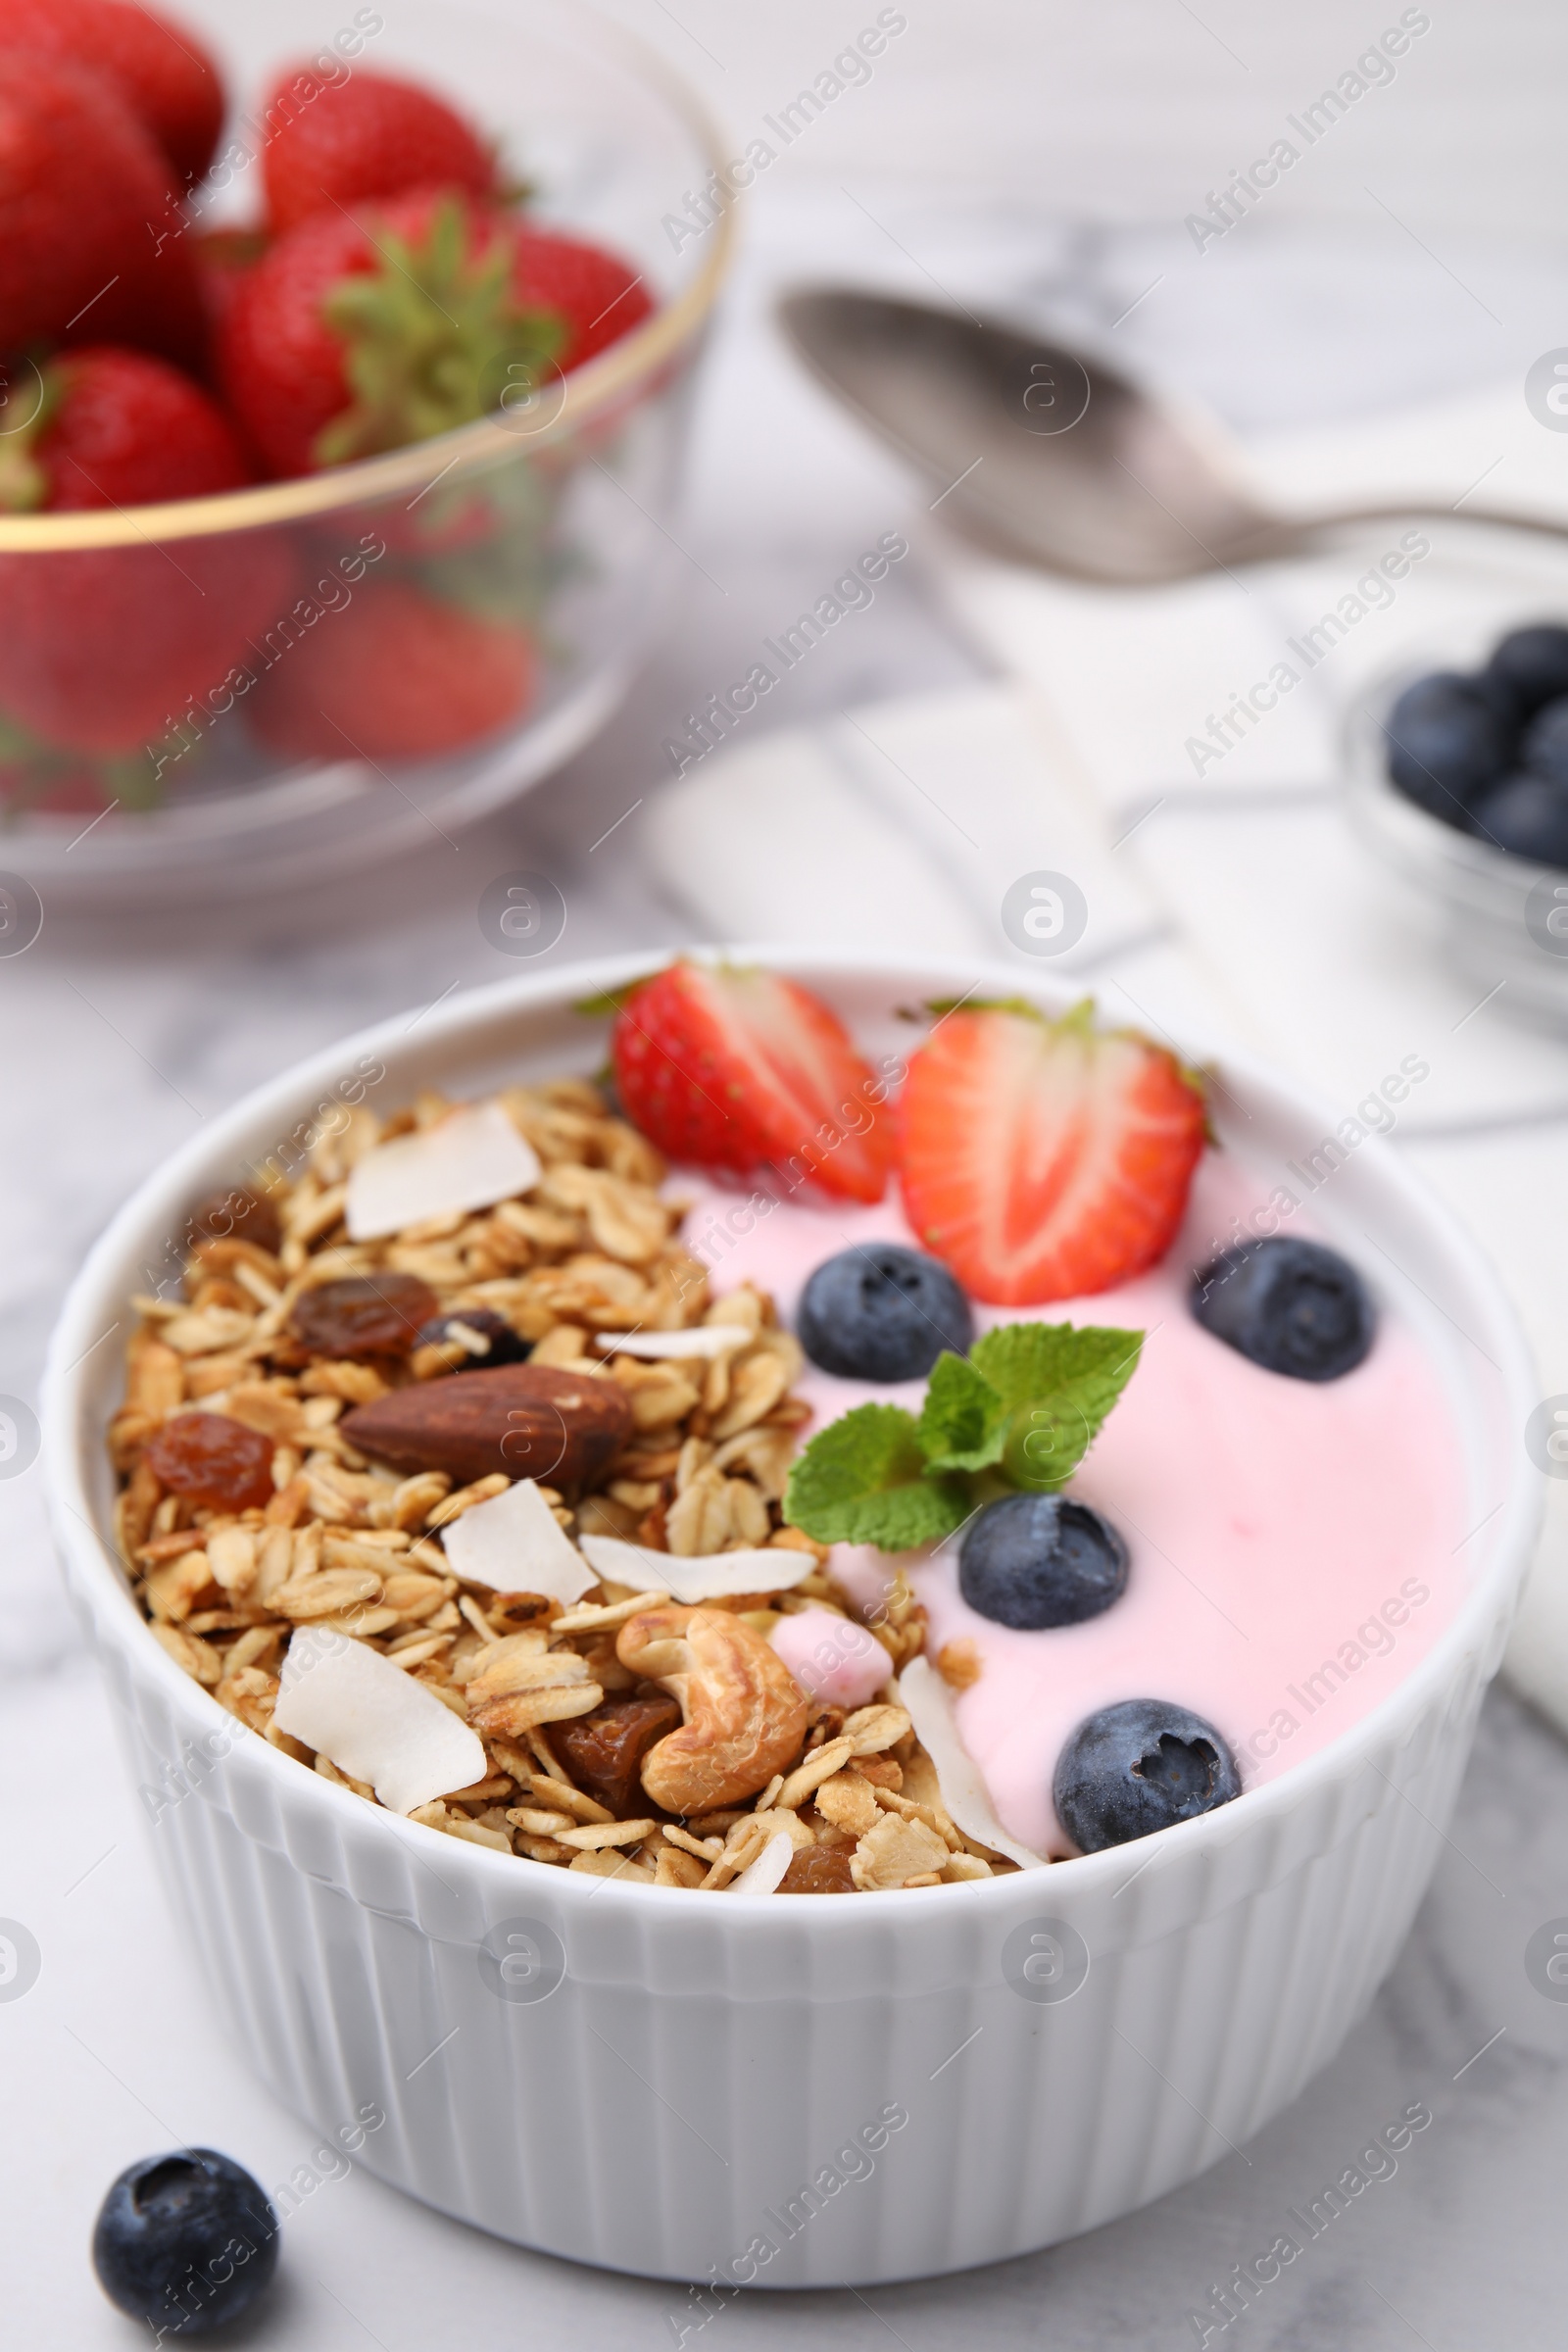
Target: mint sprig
<point>1019,1413</point>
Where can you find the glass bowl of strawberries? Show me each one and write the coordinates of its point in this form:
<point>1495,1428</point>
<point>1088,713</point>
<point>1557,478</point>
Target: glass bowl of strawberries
<point>345,373</point>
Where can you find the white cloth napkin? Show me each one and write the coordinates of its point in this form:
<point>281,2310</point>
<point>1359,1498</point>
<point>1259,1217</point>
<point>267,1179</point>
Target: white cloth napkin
<point>1226,894</point>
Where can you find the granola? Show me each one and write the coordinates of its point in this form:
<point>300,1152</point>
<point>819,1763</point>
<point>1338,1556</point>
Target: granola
<point>625,1733</point>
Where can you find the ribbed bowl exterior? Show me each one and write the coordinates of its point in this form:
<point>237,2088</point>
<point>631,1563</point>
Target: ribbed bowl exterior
<point>788,2092</point>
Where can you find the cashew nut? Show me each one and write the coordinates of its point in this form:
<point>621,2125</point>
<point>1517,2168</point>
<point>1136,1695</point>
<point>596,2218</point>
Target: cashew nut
<point>745,1714</point>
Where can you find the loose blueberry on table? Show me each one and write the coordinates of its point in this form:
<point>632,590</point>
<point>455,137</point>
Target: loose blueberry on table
<point>1488,753</point>
<point>1292,1306</point>
<point>185,2241</point>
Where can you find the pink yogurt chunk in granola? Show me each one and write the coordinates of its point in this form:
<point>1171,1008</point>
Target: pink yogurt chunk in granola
<point>831,1658</point>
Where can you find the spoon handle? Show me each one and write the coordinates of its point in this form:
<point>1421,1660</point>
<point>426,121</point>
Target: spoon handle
<point>1290,538</point>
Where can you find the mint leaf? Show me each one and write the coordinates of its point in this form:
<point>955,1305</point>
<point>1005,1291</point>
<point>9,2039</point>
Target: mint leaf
<point>964,1422</point>
<point>1026,1361</point>
<point>1057,1385</point>
<point>862,1479</point>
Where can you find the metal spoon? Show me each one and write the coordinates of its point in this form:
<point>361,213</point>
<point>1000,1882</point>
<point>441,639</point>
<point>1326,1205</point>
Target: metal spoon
<point>1043,454</point>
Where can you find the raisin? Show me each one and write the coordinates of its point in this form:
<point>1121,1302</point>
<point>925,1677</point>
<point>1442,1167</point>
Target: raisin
<point>211,1459</point>
<point>514,1610</point>
<point>365,1314</point>
<point>819,1869</point>
<point>604,1751</point>
<point>473,1339</point>
<point>236,1216</point>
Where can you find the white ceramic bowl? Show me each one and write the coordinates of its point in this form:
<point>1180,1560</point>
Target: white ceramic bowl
<point>782,2091</point>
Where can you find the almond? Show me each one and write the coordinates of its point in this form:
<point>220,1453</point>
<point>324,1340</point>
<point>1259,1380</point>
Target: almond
<point>522,1420</point>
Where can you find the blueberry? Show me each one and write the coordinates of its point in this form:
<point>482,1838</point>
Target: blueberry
<point>185,2241</point>
<point>1035,1560</point>
<point>1545,751</point>
<point>1292,1306</point>
<point>476,1337</point>
<point>1528,816</point>
<point>1448,741</point>
<point>1532,665</point>
<point>1137,1767</point>
<point>882,1312</point>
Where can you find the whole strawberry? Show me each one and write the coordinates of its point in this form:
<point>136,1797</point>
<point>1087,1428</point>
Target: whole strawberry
<point>372,134</point>
<point>101,648</point>
<point>746,1070</point>
<point>594,292</point>
<point>82,184</point>
<point>397,674</point>
<point>115,428</point>
<point>160,67</point>
<point>365,331</point>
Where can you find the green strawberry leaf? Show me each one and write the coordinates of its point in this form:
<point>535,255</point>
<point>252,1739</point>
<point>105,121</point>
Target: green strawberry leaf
<point>865,1480</point>
<point>963,1420</point>
<point>432,338</point>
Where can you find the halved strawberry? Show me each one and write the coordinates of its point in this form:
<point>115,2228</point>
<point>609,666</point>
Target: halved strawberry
<point>1046,1159</point>
<point>745,1070</point>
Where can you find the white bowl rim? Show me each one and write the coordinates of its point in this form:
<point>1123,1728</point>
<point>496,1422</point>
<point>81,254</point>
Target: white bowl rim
<point>184,1174</point>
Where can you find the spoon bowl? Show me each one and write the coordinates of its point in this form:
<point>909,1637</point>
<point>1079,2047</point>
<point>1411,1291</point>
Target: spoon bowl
<point>1044,453</point>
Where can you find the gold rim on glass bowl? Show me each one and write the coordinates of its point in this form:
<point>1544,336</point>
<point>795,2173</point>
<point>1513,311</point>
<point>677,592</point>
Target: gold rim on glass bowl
<point>467,450</point>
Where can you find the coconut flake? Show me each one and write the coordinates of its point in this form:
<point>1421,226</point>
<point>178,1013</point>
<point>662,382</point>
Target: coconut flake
<point>471,1159</point>
<point>924,1695</point>
<point>706,1339</point>
<point>373,1721</point>
<point>762,1876</point>
<point>515,1542</point>
<point>708,1578</point>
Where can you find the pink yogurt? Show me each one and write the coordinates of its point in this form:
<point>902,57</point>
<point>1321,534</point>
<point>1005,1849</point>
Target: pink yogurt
<point>1295,1546</point>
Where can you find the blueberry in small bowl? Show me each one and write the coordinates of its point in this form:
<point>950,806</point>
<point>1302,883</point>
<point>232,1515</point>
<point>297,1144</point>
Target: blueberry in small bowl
<point>1448,741</point>
<point>1292,1306</point>
<point>1037,1560</point>
<point>1458,781</point>
<point>1525,815</point>
<point>1543,751</point>
<point>882,1312</point>
<point>1530,666</point>
<point>1139,1766</point>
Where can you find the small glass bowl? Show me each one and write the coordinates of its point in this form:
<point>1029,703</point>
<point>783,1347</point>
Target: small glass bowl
<point>208,636</point>
<point>1498,917</point>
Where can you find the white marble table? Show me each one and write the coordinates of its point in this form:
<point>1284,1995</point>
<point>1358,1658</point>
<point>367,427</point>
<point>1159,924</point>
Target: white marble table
<point>118,1036</point>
